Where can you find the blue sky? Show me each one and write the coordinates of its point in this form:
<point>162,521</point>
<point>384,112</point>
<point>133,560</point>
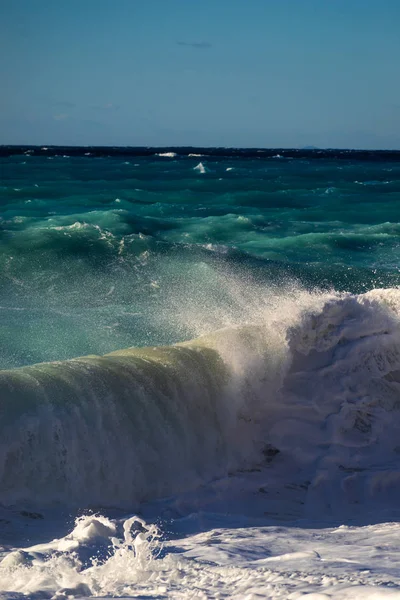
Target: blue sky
<point>263,73</point>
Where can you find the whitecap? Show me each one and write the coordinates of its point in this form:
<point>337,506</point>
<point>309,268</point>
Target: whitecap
<point>200,168</point>
<point>167,154</point>
<point>372,182</point>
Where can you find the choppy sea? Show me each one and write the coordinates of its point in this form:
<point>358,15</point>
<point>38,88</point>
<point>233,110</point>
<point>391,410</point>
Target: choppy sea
<point>200,373</point>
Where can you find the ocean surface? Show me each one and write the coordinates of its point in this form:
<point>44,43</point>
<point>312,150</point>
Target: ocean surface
<point>200,373</point>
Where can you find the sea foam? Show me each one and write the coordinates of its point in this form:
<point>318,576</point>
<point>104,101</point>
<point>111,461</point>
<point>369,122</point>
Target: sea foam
<point>316,379</point>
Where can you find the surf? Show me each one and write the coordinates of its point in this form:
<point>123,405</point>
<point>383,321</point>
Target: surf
<point>312,382</point>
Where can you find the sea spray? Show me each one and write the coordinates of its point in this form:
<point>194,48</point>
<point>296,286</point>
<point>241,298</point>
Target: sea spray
<point>317,380</point>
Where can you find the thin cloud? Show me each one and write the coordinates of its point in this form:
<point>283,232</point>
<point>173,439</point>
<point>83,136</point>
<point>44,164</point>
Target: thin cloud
<point>199,45</point>
<point>107,106</point>
<point>60,117</point>
<point>64,104</point>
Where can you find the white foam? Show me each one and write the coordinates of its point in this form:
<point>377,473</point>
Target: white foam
<point>372,182</point>
<point>72,566</point>
<point>167,154</point>
<point>200,168</point>
<point>103,558</point>
<point>314,375</point>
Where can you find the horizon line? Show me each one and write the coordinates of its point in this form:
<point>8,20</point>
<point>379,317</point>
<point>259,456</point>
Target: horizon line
<point>162,147</point>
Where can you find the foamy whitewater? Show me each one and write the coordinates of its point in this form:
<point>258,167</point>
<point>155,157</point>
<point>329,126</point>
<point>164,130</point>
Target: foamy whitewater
<point>200,393</point>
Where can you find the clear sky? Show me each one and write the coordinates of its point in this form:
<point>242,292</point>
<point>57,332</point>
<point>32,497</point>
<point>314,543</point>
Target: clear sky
<point>207,72</point>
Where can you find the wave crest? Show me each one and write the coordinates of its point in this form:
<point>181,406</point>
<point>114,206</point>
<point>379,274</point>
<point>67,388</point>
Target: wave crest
<point>316,377</point>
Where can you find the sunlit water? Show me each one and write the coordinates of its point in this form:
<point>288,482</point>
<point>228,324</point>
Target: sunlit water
<point>240,437</point>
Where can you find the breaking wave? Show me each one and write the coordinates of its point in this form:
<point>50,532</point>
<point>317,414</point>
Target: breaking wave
<point>312,379</point>
<point>200,168</point>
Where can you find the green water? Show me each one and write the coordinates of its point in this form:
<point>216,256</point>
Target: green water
<point>99,253</point>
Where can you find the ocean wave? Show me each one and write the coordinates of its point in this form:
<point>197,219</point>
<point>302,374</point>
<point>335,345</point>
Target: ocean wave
<point>372,182</point>
<point>167,154</point>
<point>200,168</point>
<point>304,153</point>
<point>314,380</point>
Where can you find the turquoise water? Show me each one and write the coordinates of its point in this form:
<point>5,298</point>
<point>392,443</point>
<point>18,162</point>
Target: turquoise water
<point>104,250</point>
<point>275,419</point>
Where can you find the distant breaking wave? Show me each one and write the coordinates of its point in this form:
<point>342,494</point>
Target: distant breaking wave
<point>122,151</point>
<point>200,168</point>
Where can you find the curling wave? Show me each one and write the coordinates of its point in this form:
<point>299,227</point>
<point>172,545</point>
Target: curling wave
<point>315,382</point>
